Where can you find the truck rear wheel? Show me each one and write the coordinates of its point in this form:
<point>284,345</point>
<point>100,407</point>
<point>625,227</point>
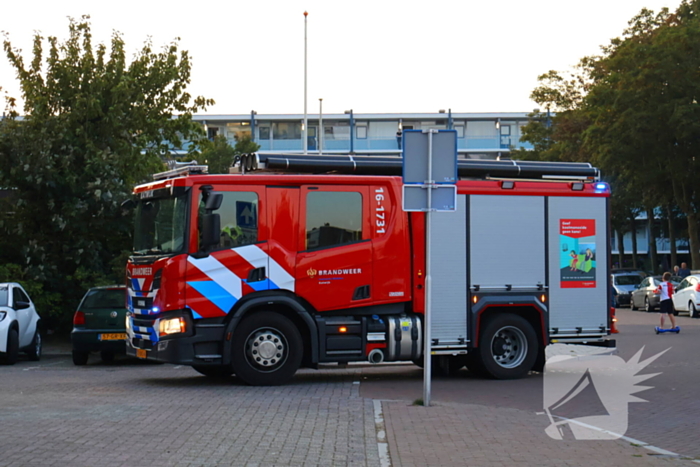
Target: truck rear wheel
<point>508,347</point>
<point>266,349</point>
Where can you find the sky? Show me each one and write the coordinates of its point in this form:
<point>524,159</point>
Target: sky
<point>379,56</point>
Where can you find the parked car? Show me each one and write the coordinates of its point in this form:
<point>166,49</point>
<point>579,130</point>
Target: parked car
<point>629,270</point>
<point>643,295</point>
<point>99,324</point>
<point>623,284</point>
<point>19,324</point>
<point>687,296</point>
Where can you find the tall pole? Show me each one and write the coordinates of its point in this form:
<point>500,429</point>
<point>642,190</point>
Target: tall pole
<point>427,329</point>
<point>306,121</point>
<point>320,126</point>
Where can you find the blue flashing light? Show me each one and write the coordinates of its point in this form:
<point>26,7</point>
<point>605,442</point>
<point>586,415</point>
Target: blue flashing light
<point>155,309</point>
<point>601,186</point>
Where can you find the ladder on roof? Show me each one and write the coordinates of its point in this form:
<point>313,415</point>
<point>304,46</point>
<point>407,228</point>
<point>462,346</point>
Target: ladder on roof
<point>391,165</point>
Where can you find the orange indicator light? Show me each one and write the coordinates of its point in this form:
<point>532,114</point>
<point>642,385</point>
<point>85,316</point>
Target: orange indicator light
<point>475,299</point>
<point>342,329</point>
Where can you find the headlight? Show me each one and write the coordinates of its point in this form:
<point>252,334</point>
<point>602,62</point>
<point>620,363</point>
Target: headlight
<point>128,322</point>
<point>2,315</point>
<point>172,326</point>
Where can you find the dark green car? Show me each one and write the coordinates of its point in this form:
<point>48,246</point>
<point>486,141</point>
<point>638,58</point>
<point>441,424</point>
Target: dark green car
<point>99,324</point>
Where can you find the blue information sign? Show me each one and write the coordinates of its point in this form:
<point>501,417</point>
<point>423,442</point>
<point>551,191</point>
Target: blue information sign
<point>246,215</point>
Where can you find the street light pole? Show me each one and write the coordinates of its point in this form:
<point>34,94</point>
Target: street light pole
<point>306,122</point>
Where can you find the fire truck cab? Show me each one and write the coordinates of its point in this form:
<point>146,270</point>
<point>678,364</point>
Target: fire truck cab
<point>261,273</point>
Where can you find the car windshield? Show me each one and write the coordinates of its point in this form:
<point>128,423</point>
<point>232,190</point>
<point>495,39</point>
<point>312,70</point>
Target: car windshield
<point>104,298</point>
<point>3,296</point>
<point>160,225</point>
<point>631,279</point>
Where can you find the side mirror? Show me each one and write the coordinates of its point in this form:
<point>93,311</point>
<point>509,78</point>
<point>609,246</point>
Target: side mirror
<point>214,201</point>
<point>211,230</point>
<point>21,305</point>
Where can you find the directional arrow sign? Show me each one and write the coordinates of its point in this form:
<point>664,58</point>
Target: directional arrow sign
<point>246,215</point>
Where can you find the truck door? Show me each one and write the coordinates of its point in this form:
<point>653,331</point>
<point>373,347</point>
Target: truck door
<point>334,263</point>
<point>579,284</point>
<point>239,264</point>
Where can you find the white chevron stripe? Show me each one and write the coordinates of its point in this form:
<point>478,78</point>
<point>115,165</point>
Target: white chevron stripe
<point>258,258</point>
<point>280,277</point>
<point>219,274</point>
<point>253,254</point>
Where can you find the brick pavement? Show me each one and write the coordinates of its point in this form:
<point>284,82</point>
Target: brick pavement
<point>137,414</point>
<point>449,434</point>
<point>475,421</point>
<point>132,414</point>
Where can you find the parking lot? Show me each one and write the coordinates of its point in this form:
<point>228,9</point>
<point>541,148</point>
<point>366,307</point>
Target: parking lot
<point>133,413</point>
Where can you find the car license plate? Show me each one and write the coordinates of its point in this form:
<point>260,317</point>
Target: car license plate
<point>141,353</point>
<point>114,336</point>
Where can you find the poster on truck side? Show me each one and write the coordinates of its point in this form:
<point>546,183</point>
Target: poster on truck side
<point>577,253</point>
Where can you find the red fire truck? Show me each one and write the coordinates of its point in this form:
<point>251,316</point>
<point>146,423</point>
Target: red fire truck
<point>303,260</point>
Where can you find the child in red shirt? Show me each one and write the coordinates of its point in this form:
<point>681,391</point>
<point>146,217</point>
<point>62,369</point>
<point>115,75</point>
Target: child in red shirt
<point>666,306</point>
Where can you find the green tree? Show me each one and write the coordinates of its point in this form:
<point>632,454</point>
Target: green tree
<point>219,155</point>
<point>245,145</point>
<point>643,109</point>
<point>633,111</point>
<point>94,124</point>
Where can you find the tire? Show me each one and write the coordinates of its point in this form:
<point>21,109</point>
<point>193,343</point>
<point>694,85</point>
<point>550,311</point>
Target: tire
<point>647,306</point>
<point>12,348</point>
<point>34,352</point>
<point>266,349</point>
<point>107,357</point>
<point>632,305</point>
<point>80,358</point>
<point>692,311</point>
<point>223,371</point>
<point>508,347</point>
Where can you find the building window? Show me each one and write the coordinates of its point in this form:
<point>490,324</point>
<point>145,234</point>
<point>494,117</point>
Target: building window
<point>361,132</point>
<point>286,130</point>
<point>460,131</point>
<point>328,132</point>
<point>264,132</point>
<point>333,218</point>
<point>239,218</point>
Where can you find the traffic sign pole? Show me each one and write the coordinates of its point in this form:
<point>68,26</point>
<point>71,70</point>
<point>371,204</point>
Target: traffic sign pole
<point>419,155</point>
<point>427,347</point>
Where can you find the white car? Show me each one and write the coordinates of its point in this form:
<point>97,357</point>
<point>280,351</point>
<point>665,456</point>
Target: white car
<point>687,296</point>
<point>19,324</point>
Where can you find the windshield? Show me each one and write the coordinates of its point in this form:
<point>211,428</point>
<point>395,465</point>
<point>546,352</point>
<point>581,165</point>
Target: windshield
<point>160,225</point>
<point>632,279</point>
<point>104,298</point>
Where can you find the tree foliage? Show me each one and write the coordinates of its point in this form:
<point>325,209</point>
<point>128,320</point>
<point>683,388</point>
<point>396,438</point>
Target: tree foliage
<point>219,155</point>
<point>94,124</point>
<point>633,111</point>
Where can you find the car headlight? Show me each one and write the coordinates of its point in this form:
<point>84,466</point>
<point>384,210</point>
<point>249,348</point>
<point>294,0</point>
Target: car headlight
<point>172,326</point>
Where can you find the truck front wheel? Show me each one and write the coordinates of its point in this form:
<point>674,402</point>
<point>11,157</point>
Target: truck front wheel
<point>267,349</point>
<point>508,347</point>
